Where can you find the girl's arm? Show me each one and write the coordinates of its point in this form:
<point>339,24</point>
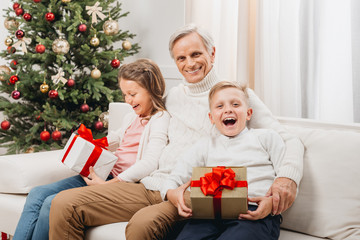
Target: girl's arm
<point>157,141</point>
<point>93,179</point>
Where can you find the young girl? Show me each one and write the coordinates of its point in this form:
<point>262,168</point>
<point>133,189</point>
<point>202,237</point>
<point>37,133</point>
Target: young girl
<point>141,139</point>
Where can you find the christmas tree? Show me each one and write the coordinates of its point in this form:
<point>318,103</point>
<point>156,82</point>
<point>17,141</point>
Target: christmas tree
<point>63,70</point>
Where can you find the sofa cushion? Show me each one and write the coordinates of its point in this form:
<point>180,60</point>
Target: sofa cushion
<point>328,203</point>
<point>11,206</point>
<point>19,173</point>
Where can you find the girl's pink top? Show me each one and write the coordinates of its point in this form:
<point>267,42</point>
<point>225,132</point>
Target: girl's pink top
<point>128,149</point>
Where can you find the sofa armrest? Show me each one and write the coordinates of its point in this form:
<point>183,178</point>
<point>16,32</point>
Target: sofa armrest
<point>19,173</point>
<point>117,111</point>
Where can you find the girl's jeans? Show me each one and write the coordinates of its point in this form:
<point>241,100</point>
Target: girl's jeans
<point>34,220</point>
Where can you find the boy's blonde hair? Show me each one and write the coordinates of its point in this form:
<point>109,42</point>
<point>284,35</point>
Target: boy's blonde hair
<point>147,74</point>
<point>227,84</point>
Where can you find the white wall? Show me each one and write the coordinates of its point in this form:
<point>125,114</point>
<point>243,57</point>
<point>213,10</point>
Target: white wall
<point>154,21</point>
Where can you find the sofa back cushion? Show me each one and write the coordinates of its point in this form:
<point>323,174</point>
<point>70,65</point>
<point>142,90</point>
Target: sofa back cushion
<point>328,203</point>
<point>19,173</point>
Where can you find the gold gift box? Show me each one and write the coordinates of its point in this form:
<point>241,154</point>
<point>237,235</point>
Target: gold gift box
<point>233,202</point>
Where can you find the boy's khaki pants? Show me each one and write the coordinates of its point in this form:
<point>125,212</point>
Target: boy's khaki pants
<point>74,209</point>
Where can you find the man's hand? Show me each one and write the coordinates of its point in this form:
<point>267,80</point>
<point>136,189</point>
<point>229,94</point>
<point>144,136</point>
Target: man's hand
<point>93,179</point>
<point>176,197</point>
<point>263,210</point>
<point>283,192</point>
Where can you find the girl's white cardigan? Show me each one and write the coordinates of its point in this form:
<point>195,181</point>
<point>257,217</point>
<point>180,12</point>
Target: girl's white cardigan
<point>153,139</point>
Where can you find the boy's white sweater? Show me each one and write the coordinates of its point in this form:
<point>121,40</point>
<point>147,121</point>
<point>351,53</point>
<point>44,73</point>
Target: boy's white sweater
<point>188,107</point>
<point>260,150</point>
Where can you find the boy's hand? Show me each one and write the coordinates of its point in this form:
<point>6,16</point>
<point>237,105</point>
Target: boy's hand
<point>93,179</point>
<point>176,197</point>
<point>283,191</point>
<point>263,210</point>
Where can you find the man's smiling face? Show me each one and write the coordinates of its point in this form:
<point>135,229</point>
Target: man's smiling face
<point>192,58</point>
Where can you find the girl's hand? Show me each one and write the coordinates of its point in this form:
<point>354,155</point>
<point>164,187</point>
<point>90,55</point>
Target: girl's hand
<point>263,210</point>
<point>93,179</point>
<point>176,197</point>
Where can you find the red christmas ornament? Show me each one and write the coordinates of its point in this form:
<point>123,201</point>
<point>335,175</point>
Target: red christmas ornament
<point>5,125</point>
<point>19,34</point>
<point>99,125</point>
<point>115,63</point>
<point>27,17</point>
<point>19,11</point>
<point>84,108</point>
<point>40,48</point>
<point>15,94</point>
<point>50,17</point>
<point>53,94</point>
<point>16,6</point>
<point>44,135</point>
<point>70,82</point>
<point>37,1</point>
<point>13,64</point>
<point>56,135</point>
<point>11,49</point>
<point>38,117</point>
<point>82,27</point>
<point>13,79</point>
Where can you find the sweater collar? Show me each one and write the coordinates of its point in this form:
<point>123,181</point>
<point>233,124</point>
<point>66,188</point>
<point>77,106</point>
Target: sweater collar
<point>226,138</point>
<point>204,85</point>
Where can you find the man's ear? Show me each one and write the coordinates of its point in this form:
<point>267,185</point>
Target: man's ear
<point>249,114</point>
<point>213,55</point>
<point>210,117</point>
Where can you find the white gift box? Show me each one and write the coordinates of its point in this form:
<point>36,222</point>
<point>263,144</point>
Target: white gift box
<point>79,154</point>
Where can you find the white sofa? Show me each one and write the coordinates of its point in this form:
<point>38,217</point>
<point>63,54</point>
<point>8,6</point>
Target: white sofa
<point>327,206</point>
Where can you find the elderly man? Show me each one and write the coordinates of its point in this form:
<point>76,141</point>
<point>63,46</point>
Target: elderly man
<point>149,215</point>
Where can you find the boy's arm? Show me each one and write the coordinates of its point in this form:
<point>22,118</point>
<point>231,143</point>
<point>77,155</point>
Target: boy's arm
<point>194,157</point>
<point>283,189</point>
<point>176,197</point>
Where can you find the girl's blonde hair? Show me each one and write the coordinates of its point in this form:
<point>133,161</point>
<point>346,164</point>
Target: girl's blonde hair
<point>147,74</point>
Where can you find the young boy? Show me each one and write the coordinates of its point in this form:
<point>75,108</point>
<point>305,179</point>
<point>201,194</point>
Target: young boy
<point>231,144</point>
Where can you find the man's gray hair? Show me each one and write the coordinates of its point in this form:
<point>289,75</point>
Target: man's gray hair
<point>188,29</point>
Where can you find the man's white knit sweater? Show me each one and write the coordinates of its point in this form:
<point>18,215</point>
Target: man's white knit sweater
<point>188,106</point>
<point>259,150</point>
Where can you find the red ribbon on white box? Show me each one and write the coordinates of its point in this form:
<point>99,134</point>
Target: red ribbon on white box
<point>101,143</point>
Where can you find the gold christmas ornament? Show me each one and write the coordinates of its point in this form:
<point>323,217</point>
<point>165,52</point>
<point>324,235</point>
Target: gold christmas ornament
<point>111,27</point>
<point>30,150</point>
<point>8,41</point>
<point>11,23</point>
<point>4,70</point>
<point>104,118</point>
<point>94,41</point>
<point>95,73</point>
<point>60,46</point>
<point>44,88</point>
<point>126,45</point>
<point>65,1</point>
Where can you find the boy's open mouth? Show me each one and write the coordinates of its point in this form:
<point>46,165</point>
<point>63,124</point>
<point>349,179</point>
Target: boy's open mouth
<point>229,121</point>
